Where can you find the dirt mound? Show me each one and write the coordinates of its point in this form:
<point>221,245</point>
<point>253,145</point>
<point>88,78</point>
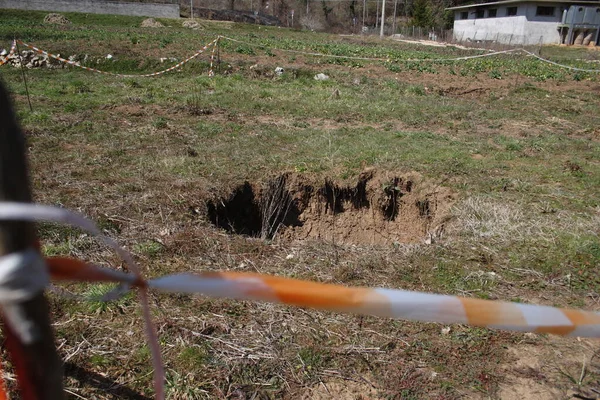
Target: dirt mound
<point>57,19</point>
<point>191,24</point>
<point>379,209</point>
<point>151,23</point>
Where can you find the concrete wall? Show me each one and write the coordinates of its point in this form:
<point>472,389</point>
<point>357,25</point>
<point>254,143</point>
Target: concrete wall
<point>96,7</point>
<point>543,27</point>
<point>503,30</point>
<point>526,28</point>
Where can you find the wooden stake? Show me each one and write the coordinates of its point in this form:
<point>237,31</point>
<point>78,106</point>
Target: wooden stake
<point>27,323</point>
<point>24,76</point>
<point>218,57</point>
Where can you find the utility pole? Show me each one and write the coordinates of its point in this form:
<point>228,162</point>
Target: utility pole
<point>395,14</point>
<point>192,9</point>
<point>382,17</point>
<point>364,11</point>
<point>377,14</point>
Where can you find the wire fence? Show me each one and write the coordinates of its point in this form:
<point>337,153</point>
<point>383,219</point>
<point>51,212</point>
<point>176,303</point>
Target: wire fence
<point>491,52</point>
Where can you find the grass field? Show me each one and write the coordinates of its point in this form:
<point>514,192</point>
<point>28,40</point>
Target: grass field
<point>482,180</point>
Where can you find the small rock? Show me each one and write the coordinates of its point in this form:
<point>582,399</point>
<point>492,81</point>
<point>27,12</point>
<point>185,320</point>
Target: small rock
<point>429,239</point>
<point>446,330</point>
<point>109,56</point>
<point>321,77</point>
<point>278,71</point>
<point>289,257</point>
<point>164,232</point>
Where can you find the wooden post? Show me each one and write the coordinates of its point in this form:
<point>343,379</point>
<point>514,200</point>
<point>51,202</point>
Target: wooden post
<point>218,57</point>
<point>30,339</point>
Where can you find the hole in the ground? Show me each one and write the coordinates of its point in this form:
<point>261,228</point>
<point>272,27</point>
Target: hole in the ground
<point>237,214</point>
<point>246,213</point>
<point>424,207</point>
<point>338,197</point>
<point>391,204</point>
<point>378,209</point>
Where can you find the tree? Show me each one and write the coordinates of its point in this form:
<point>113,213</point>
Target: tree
<point>326,10</point>
<point>421,14</point>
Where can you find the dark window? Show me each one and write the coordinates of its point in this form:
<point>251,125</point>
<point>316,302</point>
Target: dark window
<point>543,11</point>
<point>464,15</point>
<point>492,13</point>
<point>511,11</point>
<point>479,13</point>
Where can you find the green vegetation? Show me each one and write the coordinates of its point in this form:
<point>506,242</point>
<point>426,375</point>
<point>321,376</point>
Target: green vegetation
<point>515,141</point>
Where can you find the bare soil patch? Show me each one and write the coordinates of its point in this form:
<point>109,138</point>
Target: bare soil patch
<point>560,368</point>
<point>341,390</point>
<point>380,208</point>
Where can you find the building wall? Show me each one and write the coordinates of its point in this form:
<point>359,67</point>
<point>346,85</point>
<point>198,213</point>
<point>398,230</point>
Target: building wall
<point>503,30</point>
<point>543,27</point>
<point>526,28</point>
<point>96,7</point>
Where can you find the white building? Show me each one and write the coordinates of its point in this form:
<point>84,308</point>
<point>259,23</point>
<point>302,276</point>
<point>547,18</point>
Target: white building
<point>532,22</point>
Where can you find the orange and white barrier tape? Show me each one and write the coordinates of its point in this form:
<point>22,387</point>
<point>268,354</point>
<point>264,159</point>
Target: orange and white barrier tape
<point>69,269</point>
<point>390,303</point>
<point>76,64</point>
<point>10,53</point>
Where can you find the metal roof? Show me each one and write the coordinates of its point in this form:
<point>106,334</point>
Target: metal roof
<point>496,3</point>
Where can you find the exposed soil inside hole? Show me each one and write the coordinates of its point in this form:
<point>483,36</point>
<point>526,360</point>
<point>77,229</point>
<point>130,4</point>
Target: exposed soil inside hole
<point>381,208</point>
